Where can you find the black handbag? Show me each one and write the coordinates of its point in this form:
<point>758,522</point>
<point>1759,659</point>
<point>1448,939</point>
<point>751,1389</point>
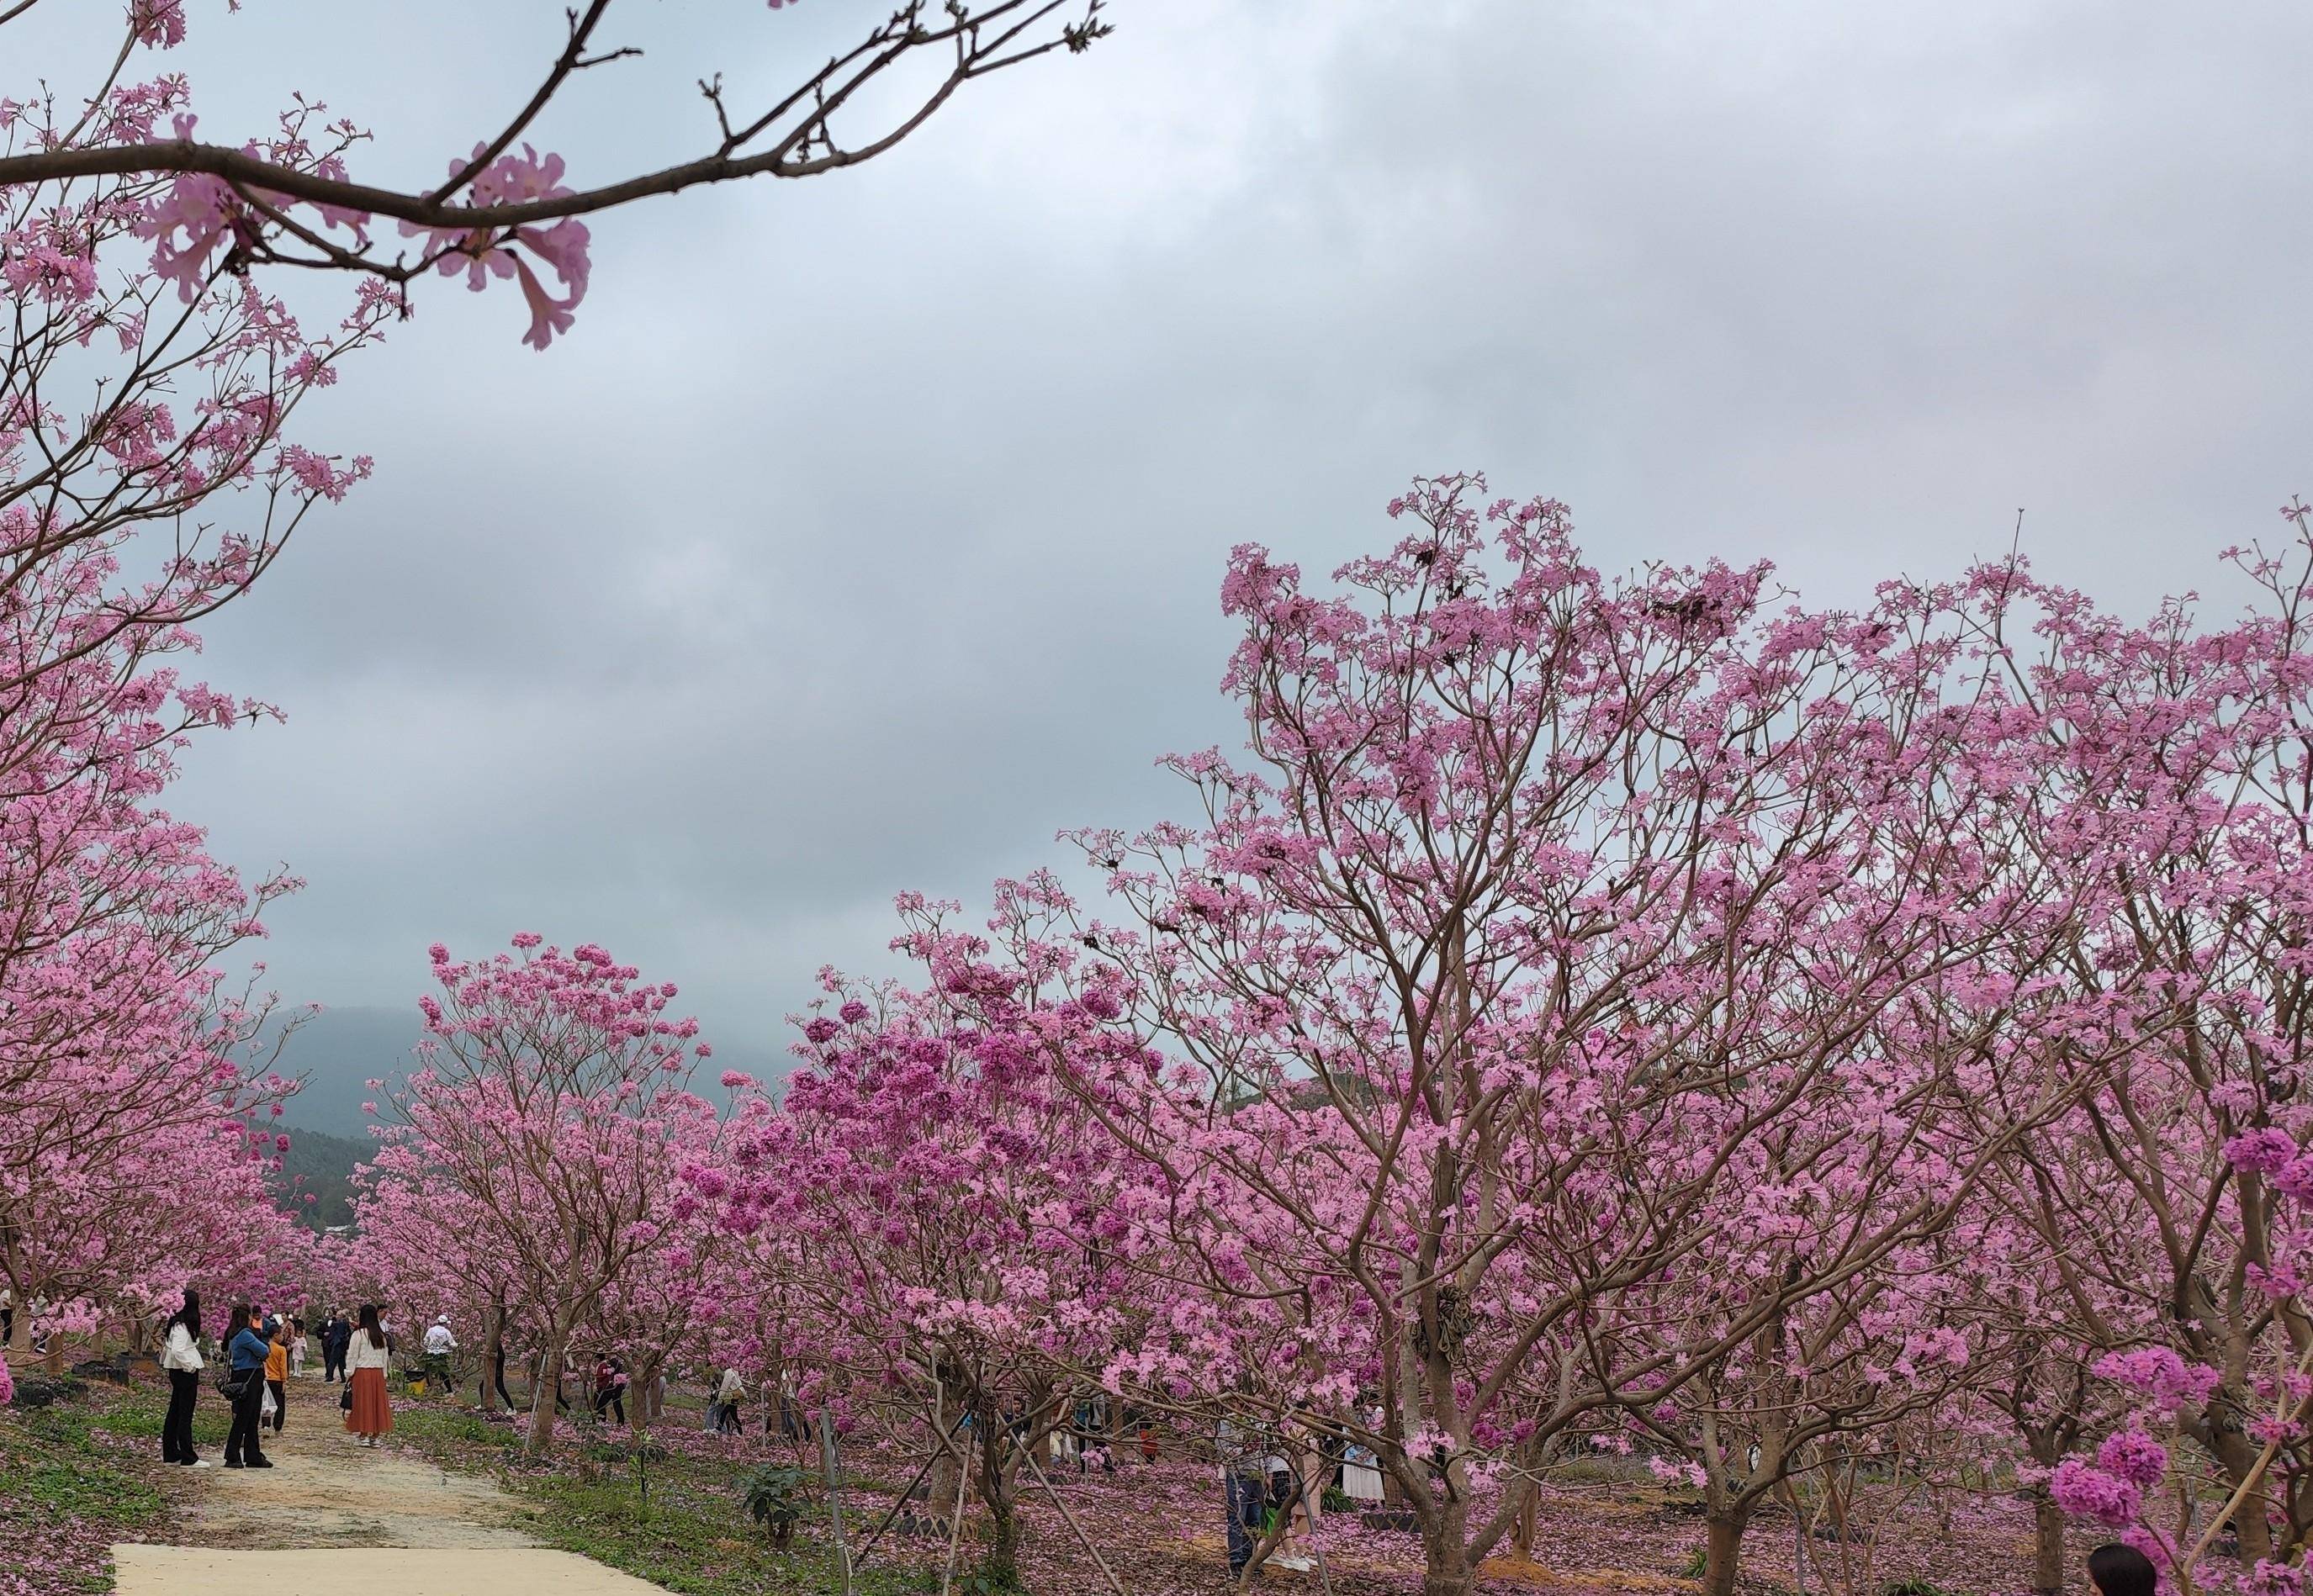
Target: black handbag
<point>234,1384</point>
<point>345,1397</point>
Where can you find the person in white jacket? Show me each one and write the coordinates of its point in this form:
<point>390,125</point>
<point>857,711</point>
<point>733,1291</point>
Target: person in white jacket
<point>180,1355</point>
<point>728,1395</point>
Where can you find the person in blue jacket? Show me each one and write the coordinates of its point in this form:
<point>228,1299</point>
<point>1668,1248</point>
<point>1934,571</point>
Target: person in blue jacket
<point>247,1351</point>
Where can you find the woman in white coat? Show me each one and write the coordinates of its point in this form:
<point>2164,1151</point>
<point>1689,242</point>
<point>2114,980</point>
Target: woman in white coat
<point>180,1355</point>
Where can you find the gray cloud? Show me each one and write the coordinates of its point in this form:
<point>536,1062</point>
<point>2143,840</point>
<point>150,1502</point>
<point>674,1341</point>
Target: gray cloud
<point>866,530</point>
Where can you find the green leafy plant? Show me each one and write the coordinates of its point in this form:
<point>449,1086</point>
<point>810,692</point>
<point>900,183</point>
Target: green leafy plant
<point>1913,1587</point>
<point>774,1498</point>
<point>988,1580</point>
<point>1697,1564</point>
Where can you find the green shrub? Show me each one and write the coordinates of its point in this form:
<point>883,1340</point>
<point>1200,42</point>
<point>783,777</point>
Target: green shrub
<point>774,1498</point>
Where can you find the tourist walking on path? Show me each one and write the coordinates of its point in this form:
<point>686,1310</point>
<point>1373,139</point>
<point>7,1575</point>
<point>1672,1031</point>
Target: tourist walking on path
<point>180,1355</point>
<point>245,1356</point>
<point>337,1335</point>
<point>611,1387</point>
<point>370,1415</point>
<point>727,1396</point>
<point>277,1371</point>
<point>297,1346</point>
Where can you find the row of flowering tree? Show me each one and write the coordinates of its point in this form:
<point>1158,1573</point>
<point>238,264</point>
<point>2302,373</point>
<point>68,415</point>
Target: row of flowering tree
<point>151,383</point>
<point>1631,1014</point>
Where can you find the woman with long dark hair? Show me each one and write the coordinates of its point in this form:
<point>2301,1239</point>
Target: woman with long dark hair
<point>180,1355</point>
<point>370,1415</point>
<point>247,1352</point>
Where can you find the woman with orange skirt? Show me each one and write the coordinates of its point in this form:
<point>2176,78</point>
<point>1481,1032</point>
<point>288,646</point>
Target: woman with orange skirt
<point>370,1415</point>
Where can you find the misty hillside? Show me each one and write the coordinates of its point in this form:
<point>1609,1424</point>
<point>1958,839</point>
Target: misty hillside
<point>338,1050</point>
<point>322,1165</point>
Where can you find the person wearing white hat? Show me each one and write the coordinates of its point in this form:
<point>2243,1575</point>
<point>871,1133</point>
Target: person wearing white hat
<point>439,1345</point>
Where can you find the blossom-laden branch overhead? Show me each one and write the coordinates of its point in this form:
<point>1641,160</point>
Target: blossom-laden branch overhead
<point>503,210</point>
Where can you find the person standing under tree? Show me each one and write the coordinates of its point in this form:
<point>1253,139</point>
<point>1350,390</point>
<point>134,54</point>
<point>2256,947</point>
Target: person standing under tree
<point>611,1387</point>
<point>277,1371</point>
<point>439,1345</point>
<point>335,1336</point>
<point>1244,1488</point>
<point>297,1346</point>
<point>246,1353</point>
<point>180,1355</point>
<point>727,1396</point>
<point>369,1414</point>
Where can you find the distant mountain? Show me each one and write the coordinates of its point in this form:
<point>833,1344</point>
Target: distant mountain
<point>324,1165</point>
<point>338,1050</point>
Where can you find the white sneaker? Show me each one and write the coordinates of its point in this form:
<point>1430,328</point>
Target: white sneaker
<point>200,1462</point>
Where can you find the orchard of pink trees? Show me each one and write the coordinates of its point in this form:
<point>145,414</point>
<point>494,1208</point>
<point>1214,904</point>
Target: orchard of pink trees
<point>1595,1014</point>
<point>1590,1015</point>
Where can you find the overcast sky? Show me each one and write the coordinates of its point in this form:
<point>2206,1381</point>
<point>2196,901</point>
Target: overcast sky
<point>867,531</point>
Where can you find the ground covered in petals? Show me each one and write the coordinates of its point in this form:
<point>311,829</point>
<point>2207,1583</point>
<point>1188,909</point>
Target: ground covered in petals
<point>75,1476</point>
<point>83,1473</point>
<point>674,1517</point>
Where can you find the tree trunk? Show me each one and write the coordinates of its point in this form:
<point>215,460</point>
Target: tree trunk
<point>2047,1543</point>
<point>493,1353</point>
<point>541,1395</point>
<point>1002,1560</point>
<point>1522,1532</point>
<point>1722,1549</point>
<point>643,1403</point>
<point>941,1484</point>
<point>1446,1547</point>
<point>2239,1456</point>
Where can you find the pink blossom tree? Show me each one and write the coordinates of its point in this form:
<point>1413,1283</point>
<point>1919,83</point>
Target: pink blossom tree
<point>933,1220</point>
<point>2200,739</point>
<point>545,1116</point>
<point>126,1067</point>
<point>1552,897</point>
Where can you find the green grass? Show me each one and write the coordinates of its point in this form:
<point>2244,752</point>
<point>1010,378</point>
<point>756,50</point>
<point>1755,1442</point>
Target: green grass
<point>448,1431</point>
<point>694,1536</point>
<point>61,1468</point>
<point>137,1414</point>
<point>689,1541</point>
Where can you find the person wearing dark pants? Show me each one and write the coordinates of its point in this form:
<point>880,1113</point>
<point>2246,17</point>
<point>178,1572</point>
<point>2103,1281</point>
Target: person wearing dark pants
<point>277,1371</point>
<point>180,1355</point>
<point>336,1337</point>
<point>494,1371</point>
<point>247,1350</point>
<point>1245,1483</point>
<point>1248,1506</point>
<point>611,1387</point>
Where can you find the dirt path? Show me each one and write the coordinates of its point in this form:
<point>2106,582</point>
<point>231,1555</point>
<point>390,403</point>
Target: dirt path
<point>331,1516</point>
